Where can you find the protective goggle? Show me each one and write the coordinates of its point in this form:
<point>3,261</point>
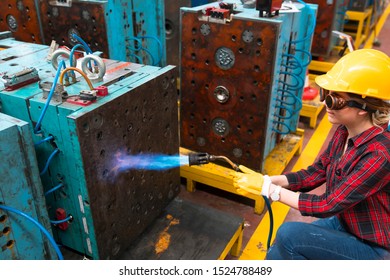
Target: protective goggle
<point>335,102</point>
<point>323,94</point>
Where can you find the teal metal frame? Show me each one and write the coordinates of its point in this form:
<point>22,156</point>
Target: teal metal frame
<point>145,23</point>
<point>21,189</point>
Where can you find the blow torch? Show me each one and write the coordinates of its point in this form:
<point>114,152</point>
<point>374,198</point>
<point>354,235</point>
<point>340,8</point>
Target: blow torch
<point>204,158</point>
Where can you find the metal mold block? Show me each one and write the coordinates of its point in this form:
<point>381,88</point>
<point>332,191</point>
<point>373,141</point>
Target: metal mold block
<point>112,208</point>
<point>227,84</point>
<point>303,26</point>
<point>139,115</point>
<point>14,49</point>
<point>85,19</point>
<point>330,17</point>
<point>141,121</point>
<point>123,30</point>
<point>172,28</point>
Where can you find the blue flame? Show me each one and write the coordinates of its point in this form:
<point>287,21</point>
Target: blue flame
<point>150,162</point>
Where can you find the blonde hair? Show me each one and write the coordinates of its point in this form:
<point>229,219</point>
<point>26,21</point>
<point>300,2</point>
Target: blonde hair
<point>381,115</point>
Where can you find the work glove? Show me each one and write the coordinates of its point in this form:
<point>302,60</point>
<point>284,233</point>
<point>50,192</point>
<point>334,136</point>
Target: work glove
<point>250,181</point>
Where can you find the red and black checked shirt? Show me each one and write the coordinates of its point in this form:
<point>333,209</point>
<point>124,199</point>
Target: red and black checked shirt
<point>357,184</point>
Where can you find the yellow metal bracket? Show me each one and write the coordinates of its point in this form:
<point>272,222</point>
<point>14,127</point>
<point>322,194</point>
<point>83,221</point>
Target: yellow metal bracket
<point>377,27</point>
<point>235,244</point>
<point>283,153</point>
<point>320,66</point>
<point>312,108</point>
<point>360,32</point>
<point>216,176</point>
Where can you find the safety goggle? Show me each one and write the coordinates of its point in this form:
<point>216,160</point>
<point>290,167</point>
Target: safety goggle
<point>323,94</point>
<point>335,102</point>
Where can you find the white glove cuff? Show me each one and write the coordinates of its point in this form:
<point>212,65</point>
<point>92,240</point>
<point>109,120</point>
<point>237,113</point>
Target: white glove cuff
<point>266,184</point>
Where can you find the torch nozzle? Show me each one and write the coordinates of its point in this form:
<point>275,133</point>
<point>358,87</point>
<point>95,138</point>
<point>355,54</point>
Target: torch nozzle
<point>204,158</point>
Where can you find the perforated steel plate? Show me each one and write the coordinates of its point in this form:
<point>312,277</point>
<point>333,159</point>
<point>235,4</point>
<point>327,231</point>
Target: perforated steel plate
<point>330,17</point>
<point>21,18</point>
<point>85,19</point>
<point>172,28</point>
<point>226,86</point>
<point>141,121</point>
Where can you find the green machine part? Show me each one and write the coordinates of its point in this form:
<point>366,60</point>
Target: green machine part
<point>22,191</point>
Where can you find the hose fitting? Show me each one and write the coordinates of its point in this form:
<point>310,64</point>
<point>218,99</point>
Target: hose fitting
<point>204,158</point>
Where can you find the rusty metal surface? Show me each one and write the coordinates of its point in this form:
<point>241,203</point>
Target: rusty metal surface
<point>21,18</point>
<point>234,127</point>
<point>329,16</point>
<point>141,121</point>
<point>172,28</point>
<point>323,30</point>
<point>85,19</point>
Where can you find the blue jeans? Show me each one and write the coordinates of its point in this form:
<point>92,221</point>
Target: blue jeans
<point>324,239</point>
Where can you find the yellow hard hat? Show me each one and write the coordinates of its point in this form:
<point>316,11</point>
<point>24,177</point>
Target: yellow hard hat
<point>365,72</point>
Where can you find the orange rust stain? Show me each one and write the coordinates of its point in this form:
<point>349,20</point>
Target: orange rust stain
<point>121,66</point>
<point>163,242</point>
<point>164,238</point>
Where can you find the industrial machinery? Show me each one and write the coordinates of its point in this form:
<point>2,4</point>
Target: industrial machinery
<point>268,8</point>
<point>21,188</point>
<point>83,131</point>
<point>172,26</point>
<point>124,30</point>
<point>330,17</point>
<point>22,18</point>
<point>242,78</point>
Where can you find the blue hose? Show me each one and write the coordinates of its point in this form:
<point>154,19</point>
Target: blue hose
<point>72,51</point>
<point>57,222</point>
<point>86,47</point>
<point>38,125</point>
<point>141,48</point>
<point>60,185</point>
<point>45,232</point>
<point>48,161</point>
<point>44,140</point>
<point>160,47</point>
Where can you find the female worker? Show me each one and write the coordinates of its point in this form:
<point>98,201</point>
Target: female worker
<point>354,210</point>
